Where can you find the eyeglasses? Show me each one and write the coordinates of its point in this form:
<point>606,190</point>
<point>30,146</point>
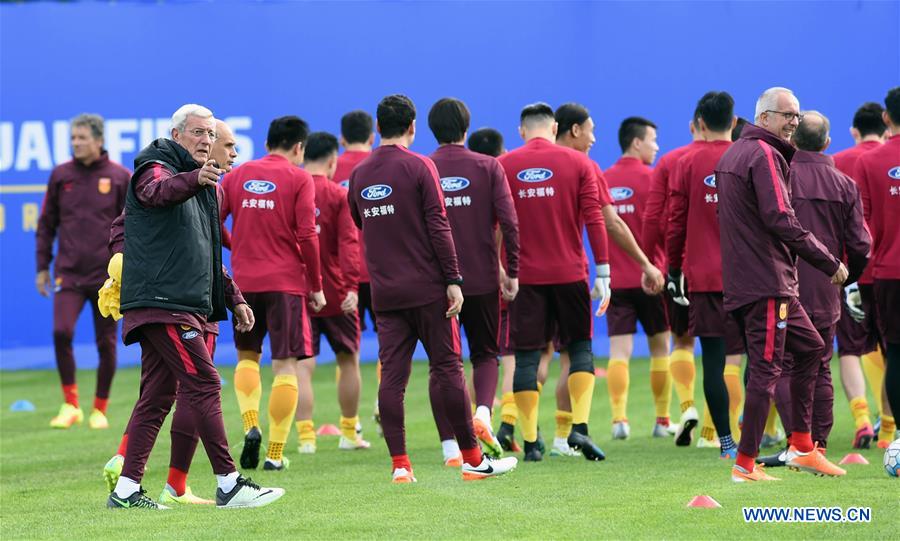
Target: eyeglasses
<point>200,132</point>
<point>787,115</point>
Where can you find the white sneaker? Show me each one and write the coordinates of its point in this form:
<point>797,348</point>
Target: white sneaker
<point>685,433</point>
<point>661,431</point>
<point>307,448</point>
<point>246,493</point>
<point>349,445</point>
<point>703,443</point>
<point>402,475</point>
<point>561,448</point>
<point>672,429</point>
<point>489,467</point>
<point>621,430</point>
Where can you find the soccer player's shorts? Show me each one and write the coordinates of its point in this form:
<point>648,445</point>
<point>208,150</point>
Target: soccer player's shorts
<point>887,301</point>
<point>285,318</point>
<point>679,316</point>
<point>364,305</point>
<point>628,306</point>
<point>709,319</point>
<point>853,337</point>
<point>504,341</point>
<point>342,332</point>
<point>540,311</point>
<point>480,317</point>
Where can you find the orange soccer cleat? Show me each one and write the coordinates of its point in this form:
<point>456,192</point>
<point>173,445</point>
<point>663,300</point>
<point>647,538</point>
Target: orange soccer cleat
<point>740,475</point>
<point>812,462</point>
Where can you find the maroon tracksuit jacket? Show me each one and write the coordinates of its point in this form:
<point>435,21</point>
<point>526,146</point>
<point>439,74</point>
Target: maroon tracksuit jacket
<point>656,209</point>
<point>338,245</point>
<point>760,234</point>
<point>845,161</point>
<point>80,204</point>
<point>827,202</point>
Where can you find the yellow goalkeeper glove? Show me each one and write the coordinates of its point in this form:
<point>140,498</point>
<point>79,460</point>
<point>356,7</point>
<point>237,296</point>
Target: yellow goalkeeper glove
<point>108,296</point>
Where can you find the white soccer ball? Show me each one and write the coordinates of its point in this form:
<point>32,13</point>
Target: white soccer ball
<point>892,459</point>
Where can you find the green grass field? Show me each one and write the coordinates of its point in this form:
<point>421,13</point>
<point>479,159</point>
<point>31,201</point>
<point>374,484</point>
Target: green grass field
<point>52,486</point>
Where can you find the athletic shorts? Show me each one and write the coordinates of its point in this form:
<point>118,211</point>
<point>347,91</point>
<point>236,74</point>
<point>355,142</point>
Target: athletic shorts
<point>342,333</point>
<point>887,311</point>
<point>480,317</point>
<point>853,337</point>
<point>628,306</point>
<point>679,316</point>
<point>539,311</point>
<point>709,319</point>
<point>285,318</point>
<point>365,305</point>
<point>505,342</point>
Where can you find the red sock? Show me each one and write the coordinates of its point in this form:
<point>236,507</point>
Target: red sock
<point>100,404</point>
<point>664,421</point>
<point>401,461</point>
<point>802,441</point>
<point>178,481</point>
<point>70,392</point>
<point>472,457</point>
<point>745,461</point>
<point>123,445</point>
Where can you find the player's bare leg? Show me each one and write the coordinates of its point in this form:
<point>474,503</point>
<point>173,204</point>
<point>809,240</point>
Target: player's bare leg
<point>349,386</point>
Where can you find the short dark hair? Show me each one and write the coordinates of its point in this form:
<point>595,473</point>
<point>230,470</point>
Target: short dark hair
<point>892,104</point>
<point>568,115</point>
<point>320,145</point>
<point>395,114</point>
<point>867,119</point>
<point>449,120</point>
<point>356,126</point>
<point>486,141</point>
<point>717,110</point>
<point>633,127</point>
<point>539,109</point>
<point>738,128</point>
<point>286,131</point>
<point>92,122</point>
<point>811,136</point>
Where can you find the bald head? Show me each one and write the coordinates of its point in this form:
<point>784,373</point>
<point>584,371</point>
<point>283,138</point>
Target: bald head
<point>224,150</point>
<point>812,132</point>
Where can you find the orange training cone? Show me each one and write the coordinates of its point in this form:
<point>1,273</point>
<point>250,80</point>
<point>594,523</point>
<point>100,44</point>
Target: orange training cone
<point>328,430</point>
<point>703,501</point>
<point>854,458</point>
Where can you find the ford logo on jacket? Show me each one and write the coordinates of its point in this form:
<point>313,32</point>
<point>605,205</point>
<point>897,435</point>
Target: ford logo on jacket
<point>454,184</point>
<point>535,174</point>
<point>376,192</point>
<point>894,173</point>
<point>710,181</point>
<point>620,193</point>
<point>259,186</point>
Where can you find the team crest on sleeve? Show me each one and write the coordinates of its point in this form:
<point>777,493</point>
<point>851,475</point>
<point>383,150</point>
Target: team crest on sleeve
<point>710,181</point>
<point>894,173</point>
<point>454,184</point>
<point>782,311</point>
<point>534,174</point>
<point>259,187</point>
<point>376,192</point>
<point>620,193</point>
<point>104,185</point>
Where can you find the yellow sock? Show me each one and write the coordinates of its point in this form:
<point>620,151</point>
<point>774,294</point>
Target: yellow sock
<point>888,427</point>
<point>617,384</point>
<point>859,407</point>
<point>337,372</point>
<point>282,406</point>
<point>707,429</point>
<point>661,385</point>
<point>527,404</point>
<point>873,368</point>
<point>684,372</point>
<point>378,371</point>
<point>581,393</point>
<point>248,388</point>
<point>540,387</point>
<point>348,427</point>
<point>563,423</point>
<point>306,431</point>
<point>735,398</point>
<point>509,413</point>
<point>772,420</point>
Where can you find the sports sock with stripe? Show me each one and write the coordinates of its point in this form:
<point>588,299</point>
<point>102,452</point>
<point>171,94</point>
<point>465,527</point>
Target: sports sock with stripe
<point>527,404</point>
<point>735,397</point>
<point>248,388</point>
<point>707,429</point>
<point>282,406</point>
<point>661,385</point>
<point>581,393</point>
<point>509,413</point>
<point>859,408</point>
<point>684,372</point>
<point>873,369</point>
<point>563,423</point>
<point>617,381</point>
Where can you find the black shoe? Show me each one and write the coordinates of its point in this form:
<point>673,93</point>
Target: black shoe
<point>774,461</point>
<point>540,443</point>
<point>584,443</point>
<point>533,452</point>
<point>685,433</point>
<point>137,500</point>
<point>506,437</point>
<point>271,466</point>
<point>250,453</point>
